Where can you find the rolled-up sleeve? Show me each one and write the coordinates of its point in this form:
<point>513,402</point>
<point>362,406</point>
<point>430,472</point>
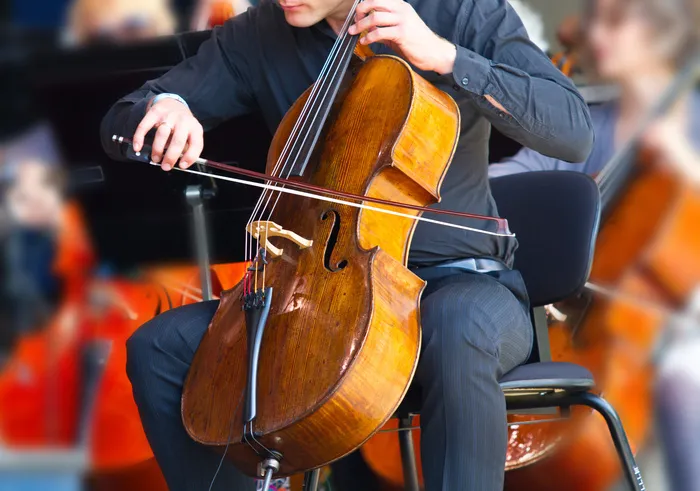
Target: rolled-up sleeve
<point>495,57</point>
<point>216,84</point>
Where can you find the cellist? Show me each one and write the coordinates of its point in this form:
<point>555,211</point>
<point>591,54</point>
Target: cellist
<point>475,318</point>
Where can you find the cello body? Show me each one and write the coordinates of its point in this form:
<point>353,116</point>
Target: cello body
<point>342,338</point>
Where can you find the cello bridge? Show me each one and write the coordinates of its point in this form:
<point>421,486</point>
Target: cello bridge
<point>264,230</point>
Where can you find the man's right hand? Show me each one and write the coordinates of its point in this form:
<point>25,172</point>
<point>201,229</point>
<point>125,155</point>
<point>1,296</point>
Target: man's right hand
<point>177,129</point>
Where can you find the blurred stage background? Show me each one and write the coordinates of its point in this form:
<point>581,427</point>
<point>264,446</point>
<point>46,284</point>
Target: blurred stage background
<point>90,249</point>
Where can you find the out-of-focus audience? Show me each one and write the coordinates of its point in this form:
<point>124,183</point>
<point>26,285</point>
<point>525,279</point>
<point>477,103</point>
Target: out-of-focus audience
<point>210,13</point>
<point>31,201</point>
<point>570,35</point>
<point>93,21</point>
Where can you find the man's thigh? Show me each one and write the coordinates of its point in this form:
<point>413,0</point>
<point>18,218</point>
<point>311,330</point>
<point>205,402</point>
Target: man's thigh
<point>472,311</point>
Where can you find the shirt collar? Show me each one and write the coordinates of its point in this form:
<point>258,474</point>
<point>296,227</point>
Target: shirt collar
<point>325,28</point>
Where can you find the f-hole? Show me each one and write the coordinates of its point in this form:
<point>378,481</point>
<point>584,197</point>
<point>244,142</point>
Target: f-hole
<point>332,240</point>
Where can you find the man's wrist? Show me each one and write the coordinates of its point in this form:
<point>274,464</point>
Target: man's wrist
<point>160,97</point>
<point>445,56</point>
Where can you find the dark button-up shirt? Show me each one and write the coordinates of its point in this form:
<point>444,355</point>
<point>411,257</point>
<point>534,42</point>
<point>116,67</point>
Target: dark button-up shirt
<point>258,62</point>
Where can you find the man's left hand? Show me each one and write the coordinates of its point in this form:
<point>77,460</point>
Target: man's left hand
<point>396,24</point>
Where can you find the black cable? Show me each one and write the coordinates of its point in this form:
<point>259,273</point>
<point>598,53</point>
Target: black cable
<point>228,443</point>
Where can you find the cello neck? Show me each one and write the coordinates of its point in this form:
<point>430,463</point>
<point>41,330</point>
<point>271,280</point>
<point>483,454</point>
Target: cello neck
<point>310,125</point>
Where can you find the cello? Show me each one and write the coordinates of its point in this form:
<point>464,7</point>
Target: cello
<point>339,340</point>
<point>324,331</point>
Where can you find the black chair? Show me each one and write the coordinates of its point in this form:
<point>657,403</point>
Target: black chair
<point>555,216</point>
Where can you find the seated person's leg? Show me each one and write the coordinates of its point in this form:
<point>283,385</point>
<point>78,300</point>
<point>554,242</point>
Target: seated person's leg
<point>159,356</point>
<point>474,331</point>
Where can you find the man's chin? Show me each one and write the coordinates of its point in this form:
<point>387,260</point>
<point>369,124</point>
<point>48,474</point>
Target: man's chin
<point>300,19</point>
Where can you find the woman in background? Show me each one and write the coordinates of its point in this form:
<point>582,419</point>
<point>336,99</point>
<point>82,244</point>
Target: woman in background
<point>640,45</point>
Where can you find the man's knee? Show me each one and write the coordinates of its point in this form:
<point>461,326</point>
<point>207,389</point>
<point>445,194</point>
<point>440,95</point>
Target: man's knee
<point>169,340</point>
<point>139,350</point>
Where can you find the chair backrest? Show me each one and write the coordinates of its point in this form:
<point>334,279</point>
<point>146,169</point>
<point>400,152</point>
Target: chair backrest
<point>555,216</point>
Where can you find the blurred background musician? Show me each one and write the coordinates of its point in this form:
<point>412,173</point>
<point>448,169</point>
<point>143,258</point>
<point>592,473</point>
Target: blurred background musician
<point>91,21</point>
<point>210,13</point>
<point>570,35</point>
<point>641,45</point>
<point>31,192</point>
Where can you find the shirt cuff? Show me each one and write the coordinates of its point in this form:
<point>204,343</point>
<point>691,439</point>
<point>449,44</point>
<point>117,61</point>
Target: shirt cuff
<point>471,71</point>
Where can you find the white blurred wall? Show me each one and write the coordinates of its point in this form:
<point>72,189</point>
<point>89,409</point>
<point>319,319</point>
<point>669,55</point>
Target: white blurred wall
<point>552,13</point>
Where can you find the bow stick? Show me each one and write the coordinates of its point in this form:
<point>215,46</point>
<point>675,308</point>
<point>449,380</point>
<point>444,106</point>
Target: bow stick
<point>144,156</point>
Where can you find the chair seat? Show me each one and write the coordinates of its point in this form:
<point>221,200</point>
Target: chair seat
<point>548,375</point>
<point>538,376</point>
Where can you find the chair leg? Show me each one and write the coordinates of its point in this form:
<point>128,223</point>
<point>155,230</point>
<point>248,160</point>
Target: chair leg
<point>617,432</point>
<point>311,479</point>
<point>408,455</point>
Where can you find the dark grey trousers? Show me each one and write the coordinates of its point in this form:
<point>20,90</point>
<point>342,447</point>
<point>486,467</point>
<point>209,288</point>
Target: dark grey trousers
<point>476,327</point>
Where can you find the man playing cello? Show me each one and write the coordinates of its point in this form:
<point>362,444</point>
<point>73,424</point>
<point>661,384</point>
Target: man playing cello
<point>475,318</point>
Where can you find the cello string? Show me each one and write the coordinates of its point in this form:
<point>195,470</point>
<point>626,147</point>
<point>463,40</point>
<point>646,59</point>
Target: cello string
<point>321,82</point>
<point>298,123</point>
<point>331,83</point>
<point>300,120</point>
<point>324,91</point>
<point>342,202</point>
<point>307,105</point>
<point>289,146</point>
<point>313,103</point>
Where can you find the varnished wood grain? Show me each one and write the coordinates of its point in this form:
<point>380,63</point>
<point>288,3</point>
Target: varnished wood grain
<point>340,348</point>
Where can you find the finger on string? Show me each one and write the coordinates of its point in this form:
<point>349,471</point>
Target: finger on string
<point>381,35</point>
<point>359,15</point>
<point>160,141</point>
<point>147,123</point>
<point>367,6</point>
<point>375,19</point>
